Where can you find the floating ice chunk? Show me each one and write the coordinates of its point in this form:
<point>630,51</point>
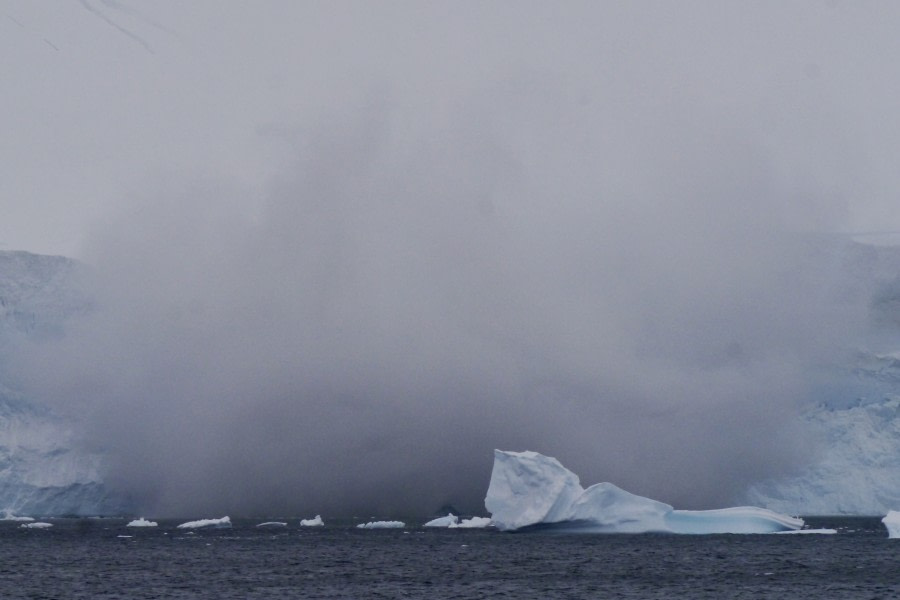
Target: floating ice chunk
<point>382,525</point>
<point>142,522</point>
<point>473,523</point>
<point>449,521</point>
<point>528,488</point>
<point>892,522</point>
<point>36,525</point>
<point>272,524</point>
<point>317,522</point>
<point>218,523</point>
<point>9,516</point>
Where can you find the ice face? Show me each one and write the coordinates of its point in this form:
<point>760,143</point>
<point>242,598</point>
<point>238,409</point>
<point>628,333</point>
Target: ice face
<point>528,489</point>
<point>316,522</point>
<point>892,522</point>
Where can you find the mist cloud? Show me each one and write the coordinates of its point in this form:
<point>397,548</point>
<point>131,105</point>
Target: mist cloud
<point>615,275</point>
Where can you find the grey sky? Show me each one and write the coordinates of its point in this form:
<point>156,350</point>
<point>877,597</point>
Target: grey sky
<point>344,250</point>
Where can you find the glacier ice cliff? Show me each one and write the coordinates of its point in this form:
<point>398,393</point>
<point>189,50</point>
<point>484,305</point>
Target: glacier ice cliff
<point>43,468</point>
<point>529,489</point>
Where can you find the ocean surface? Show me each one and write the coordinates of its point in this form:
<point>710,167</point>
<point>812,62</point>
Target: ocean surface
<point>103,559</point>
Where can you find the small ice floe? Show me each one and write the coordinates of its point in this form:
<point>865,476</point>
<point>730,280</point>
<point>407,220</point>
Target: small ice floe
<point>224,522</point>
<point>382,525</point>
<point>142,522</point>
<point>892,522</point>
<point>317,522</point>
<point>125,536</point>
<point>9,516</point>
<point>450,520</point>
<point>473,523</point>
<point>36,525</point>
<point>272,524</point>
<point>806,531</point>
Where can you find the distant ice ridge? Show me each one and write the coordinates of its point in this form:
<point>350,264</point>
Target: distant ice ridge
<point>142,522</point>
<point>528,489</point>
<point>224,522</point>
<point>316,522</point>
<point>382,525</point>
<point>892,522</point>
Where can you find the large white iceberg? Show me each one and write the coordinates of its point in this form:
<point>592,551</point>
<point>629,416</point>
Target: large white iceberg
<point>142,522</point>
<point>529,489</point>
<point>892,522</point>
<point>316,522</point>
<point>218,523</point>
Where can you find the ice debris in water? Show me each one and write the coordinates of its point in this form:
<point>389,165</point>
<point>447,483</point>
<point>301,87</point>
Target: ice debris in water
<point>892,522</point>
<point>142,522</point>
<point>528,488</point>
<point>316,522</point>
<point>36,525</point>
<point>382,525</point>
<point>218,523</point>
<point>272,524</point>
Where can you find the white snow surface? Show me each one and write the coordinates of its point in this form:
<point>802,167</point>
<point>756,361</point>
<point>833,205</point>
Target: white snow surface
<point>316,522</point>
<point>142,522</point>
<point>449,521</point>
<point>528,488</point>
<point>382,525</point>
<point>220,523</point>
<point>892,522</point>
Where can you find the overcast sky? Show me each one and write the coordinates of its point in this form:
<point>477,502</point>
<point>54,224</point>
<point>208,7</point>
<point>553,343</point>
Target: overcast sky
<point>366,243</point>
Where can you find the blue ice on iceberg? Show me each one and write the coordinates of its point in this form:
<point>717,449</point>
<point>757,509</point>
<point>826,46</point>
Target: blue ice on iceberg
<point>528,489</point>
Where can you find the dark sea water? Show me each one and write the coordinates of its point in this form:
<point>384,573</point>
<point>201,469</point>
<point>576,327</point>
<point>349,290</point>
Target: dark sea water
<point>88,558</point>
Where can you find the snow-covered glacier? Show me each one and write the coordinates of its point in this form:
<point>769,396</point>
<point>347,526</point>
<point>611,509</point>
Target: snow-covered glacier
<point>529,489</point>
<point>43,469</point>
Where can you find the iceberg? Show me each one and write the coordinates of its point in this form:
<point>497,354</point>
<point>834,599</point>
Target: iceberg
<point>142,522</point>
<point>382,525</point>
<point>272,524</point>
<point>316,522</point>
<point>217,523</point>
<point>473,523</point>
<point>529,489</point>
<point>36,525</point>
<point>449,521</point>
<point>892,522</point>
<point>9,516</point>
